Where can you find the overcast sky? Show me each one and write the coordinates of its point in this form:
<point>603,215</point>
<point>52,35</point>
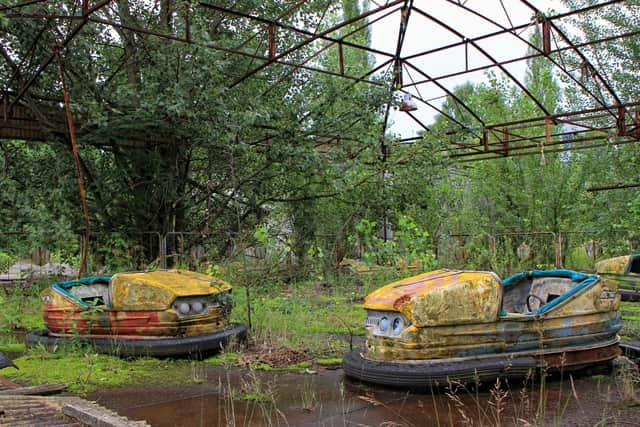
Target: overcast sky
<point>423,34</point>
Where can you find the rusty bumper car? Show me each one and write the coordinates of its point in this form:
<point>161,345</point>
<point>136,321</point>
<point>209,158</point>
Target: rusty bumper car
<point>623,272</point>
<point>466,326</point>
<point>157,313</point>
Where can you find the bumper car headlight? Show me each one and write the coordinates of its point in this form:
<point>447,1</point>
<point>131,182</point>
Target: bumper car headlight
<point>384,324</point>
<point>183,308</point>
<point>398,325</point>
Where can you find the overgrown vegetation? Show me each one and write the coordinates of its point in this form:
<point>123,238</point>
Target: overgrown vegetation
<point>83,370</point>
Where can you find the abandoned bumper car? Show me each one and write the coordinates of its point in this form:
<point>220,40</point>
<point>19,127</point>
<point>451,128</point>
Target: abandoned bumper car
<point>623,272</point>
<point>157,313</point>
<point>469,326</point>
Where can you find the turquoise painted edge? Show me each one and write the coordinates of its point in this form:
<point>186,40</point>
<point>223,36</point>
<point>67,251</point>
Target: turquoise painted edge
<point>585,281</point>
<point>62,287</point>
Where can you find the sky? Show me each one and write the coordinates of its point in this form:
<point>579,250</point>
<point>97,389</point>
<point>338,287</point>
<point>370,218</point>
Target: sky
<point>423,34</point>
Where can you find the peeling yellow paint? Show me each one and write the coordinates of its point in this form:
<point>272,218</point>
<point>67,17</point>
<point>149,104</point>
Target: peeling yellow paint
<point>156,290</point>
<point>617,265</point>
<point>441,297</point>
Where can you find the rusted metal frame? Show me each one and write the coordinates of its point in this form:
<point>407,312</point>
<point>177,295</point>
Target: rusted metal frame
<point>315,37</point>
<point>466,40</point>
<point>425,127</point>
<point>272,41</point>
<point>533,153</point>
<point>222,49</point>
<point>341,65</point>
<point>279,17</point>
<point>410,139</point>
<point>506,72</point>
<point>577,51</point>
<point>534,140</point>
<point>547,54</point>
<point>524,58</point>
<point>560,115</point>
<point>448,92</point>
<point>463,146</point>
<point>505,142</point>
<point>506,13</point>
<point>51,57</point>
<point>405,13</point>
<point>585,128</point>
<point>397,79</point>
<point>439,111</point>
<point>535,146</point>
<point>614,187</point>
<point>76,157</point>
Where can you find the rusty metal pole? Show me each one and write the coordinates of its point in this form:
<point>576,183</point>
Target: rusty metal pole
<point>76,157</point>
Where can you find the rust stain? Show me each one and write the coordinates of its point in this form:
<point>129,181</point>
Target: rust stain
<point>459,314</point>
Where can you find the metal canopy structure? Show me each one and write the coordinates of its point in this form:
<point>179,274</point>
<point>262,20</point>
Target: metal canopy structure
<point>430,47</point>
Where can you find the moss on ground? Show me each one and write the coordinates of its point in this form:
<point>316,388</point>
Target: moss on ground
<point>222,359</point>
<point>331,361</point>
<point>88,372</point>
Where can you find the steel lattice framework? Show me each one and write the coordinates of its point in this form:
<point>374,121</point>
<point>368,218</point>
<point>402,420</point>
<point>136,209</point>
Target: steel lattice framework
<point>474,43</point>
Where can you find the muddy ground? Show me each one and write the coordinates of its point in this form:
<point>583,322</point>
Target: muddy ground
<point>233,396</point>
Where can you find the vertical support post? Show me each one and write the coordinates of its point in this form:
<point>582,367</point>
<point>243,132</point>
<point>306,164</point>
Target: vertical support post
<point>505,142</point>
<point>272,41</point>
<point>466,55</point>
<point>620,121</point>
<point>492,245</point>
<point>397,73</point>
<point>546,37</point>
<point>558,246</point>
<point>76,157</point>
<point>485,140</point>
<point>85,9</point>
<point>547,131</point>
<point>341,59</point>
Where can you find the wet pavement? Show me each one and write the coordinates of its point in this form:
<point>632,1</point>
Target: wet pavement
<point>328,399</point>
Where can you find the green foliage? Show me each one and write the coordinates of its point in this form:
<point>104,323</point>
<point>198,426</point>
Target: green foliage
<point>21,310</point>
<point>6,261</point>
<point>410,244</point>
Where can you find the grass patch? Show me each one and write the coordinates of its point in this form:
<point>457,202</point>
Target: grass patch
<point>222,359</point>
<point>88,372</point>
<point>13,348</point>
<point>306,315</point>
<point>330,361</point>
<point>21,309</point>
<point>295,367</point>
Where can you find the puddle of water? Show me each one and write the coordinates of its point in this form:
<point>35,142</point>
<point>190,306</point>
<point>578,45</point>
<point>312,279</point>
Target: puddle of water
<point>327,399</point>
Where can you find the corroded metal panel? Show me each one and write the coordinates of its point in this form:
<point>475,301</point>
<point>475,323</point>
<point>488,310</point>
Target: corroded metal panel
<point>441,297</point>
<point>156,290</point>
